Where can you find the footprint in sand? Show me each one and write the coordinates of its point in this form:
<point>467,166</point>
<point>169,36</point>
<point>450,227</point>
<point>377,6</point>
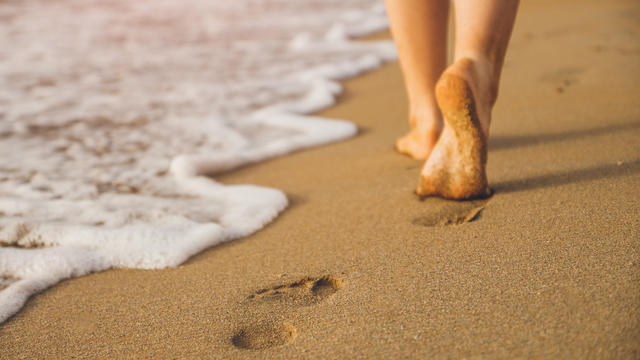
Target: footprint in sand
<point>264,334</point>
<point>269,333</point>
<point>563,78</point>
<point>304,292</point>
<point>451,213</point>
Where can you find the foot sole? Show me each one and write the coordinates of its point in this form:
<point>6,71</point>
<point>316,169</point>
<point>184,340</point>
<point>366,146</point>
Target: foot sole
<point>458,172</point>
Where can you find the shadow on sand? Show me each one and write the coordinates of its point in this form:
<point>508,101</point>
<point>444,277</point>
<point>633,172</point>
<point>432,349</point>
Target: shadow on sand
<point>568,177</point>
<point>507,142</point>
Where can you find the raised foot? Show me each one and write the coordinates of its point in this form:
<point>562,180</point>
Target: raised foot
<point>456,167</point>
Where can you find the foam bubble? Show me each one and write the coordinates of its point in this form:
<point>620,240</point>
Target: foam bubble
<point>115,114</point>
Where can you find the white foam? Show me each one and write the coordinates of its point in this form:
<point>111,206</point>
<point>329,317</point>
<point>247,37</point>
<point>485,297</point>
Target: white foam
<point>112,113</point>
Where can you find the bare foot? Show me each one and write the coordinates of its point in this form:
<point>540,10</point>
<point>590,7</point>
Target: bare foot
<point>424,134</point>
<point>456,166</point>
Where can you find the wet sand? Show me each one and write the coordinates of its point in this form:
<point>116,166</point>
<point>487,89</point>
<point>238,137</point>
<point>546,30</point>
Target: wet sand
<point>358,267</point>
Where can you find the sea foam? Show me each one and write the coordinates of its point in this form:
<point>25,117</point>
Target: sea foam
<point>114,115</point>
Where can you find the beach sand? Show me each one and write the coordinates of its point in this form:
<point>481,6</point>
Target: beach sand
<point>358,267</point>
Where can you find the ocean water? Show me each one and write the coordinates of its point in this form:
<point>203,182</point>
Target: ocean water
<point>116,115</point>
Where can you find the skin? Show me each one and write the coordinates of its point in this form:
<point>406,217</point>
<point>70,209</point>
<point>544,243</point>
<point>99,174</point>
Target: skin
<point>450,107</point>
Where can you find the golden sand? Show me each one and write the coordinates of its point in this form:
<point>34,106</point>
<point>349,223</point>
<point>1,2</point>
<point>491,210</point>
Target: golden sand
<point>550,268</point>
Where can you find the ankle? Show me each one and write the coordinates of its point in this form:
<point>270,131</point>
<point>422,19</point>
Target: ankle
<point>476,71</point>
<point>426,120</point>
<point>483,76</point>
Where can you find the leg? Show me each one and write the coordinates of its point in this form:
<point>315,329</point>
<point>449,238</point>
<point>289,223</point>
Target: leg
<point>419,29</point>
<point>466,93</point>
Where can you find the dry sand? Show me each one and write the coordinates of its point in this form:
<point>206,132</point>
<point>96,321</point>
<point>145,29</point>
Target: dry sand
<point>550,268</point>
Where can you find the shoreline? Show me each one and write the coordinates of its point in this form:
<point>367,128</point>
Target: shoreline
<point>116,230</point>
<point>549,268</point>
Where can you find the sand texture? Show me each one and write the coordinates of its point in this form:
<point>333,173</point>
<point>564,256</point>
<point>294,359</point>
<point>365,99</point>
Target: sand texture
<point>359,267</point>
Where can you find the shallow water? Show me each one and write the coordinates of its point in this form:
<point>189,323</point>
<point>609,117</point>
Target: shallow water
<point>113,112</point>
